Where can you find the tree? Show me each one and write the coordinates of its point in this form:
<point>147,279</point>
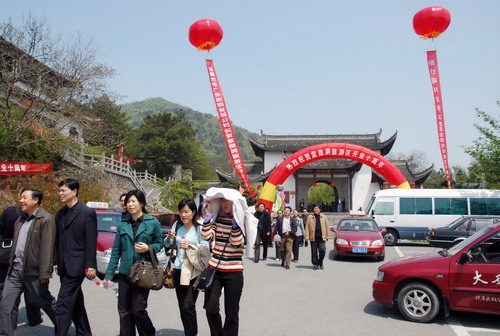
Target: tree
<point>321,193</point>
<point>164,139</point>
<point>417,159</point>
<point>107,125</point>
<point>486,151</point>
<point>41,81</point>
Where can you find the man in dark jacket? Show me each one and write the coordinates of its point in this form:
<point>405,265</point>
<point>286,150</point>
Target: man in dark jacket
<point>286,226</point>
<point>75,258</point>
<point>31,261</point>
<point>264,231</point>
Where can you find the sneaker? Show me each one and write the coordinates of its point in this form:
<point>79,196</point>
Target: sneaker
<point>282,264</point>
<point>277,259</point>
<point>288,267</point>
<point>315,267</point>
<point>321,266</point>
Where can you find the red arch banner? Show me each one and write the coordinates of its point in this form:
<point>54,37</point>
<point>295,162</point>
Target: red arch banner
<point>330,151</point>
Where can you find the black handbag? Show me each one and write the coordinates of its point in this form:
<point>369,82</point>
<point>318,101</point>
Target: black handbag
<point>5,247</point>
<point>206,278</point>
<point>147,274</point>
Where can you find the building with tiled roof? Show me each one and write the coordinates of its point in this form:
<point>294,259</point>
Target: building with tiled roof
<point>350,179</point>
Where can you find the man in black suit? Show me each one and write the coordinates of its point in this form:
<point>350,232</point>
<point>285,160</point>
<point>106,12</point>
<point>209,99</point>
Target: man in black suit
<point>264,231</point>
<point>75,258</point>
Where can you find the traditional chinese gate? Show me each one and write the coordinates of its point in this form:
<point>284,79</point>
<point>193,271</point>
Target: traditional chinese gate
<point>330,151</point>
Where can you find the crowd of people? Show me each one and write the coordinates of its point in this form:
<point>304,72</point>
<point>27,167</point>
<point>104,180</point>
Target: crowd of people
<point>289,231</point>
<point>215,235</point>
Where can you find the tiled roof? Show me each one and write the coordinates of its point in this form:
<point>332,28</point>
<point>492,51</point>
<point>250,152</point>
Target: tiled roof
<point>412,177</point>
<point>254,170</point>
<point>295,143</point>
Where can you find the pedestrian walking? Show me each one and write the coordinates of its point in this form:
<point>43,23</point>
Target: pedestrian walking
<point>137,234</point>
<point>75,258</point>
<point>276,236</point>
<point>286,226</point>
<point>227,221</point>
<point>186,233</point>
<point>264,231</point>
<point>317,234</point>
<point>31,261</point>
<point>299,235</point>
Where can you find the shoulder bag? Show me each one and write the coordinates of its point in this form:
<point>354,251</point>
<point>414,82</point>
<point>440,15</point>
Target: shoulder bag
<point>206,278</point>
<point>5,247</point>
<point>147,274</point>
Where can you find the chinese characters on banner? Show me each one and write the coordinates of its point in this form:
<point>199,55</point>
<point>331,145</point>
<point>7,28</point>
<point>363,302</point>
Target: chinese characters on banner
<point>226,127</point>
<point>23,168</point>
<point>438,103</point>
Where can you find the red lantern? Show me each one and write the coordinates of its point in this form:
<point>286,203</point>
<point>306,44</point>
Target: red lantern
<point>314,184</point>
<point>332,185</point>
<point>205,34</point>
<point>430,22</point>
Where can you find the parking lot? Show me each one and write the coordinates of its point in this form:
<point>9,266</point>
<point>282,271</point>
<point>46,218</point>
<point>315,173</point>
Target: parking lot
<point>299,301</point>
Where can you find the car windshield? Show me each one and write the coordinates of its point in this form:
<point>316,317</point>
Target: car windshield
<point>454,222</point>
<point>108,222</point>
<point>357,225</point>
<point>457,248</point>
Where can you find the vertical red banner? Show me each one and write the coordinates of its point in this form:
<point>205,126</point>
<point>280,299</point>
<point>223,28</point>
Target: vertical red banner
<point>438,103</point>
<point>226,127</point>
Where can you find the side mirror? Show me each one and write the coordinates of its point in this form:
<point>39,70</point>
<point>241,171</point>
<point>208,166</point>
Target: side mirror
<point>332,229</point>
<point>373,212</point>
<point>384,230</point>
<point>463,258</point>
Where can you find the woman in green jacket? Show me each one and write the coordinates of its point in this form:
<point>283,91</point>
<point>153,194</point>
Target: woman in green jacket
<point>136,235</point>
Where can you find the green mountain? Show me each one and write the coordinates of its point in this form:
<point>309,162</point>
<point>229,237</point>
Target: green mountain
<point>207,126</point>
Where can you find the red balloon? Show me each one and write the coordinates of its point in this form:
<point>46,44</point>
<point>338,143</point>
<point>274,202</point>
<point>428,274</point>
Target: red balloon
<point>205,34</point>
<point>430,22</point>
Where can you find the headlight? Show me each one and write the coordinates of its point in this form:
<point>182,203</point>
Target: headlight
<point>107,252</point>
<point>380,276</point>
<point>377,242</point>
<point>341,241</point>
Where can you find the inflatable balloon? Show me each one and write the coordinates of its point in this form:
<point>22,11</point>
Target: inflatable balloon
<point>205,34</point>
<point>330,151</point>
<point>430,22</point>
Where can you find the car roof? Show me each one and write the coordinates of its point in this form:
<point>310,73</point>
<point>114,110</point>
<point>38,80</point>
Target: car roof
<point>109,212</point>
<point>357,217</point>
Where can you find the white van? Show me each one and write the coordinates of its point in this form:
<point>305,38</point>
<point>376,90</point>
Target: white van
<point>409,213</point>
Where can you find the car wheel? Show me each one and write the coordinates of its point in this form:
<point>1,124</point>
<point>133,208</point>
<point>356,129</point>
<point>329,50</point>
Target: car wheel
<point>418,302</point>
<point>336,257</point>
<point>381,258</point>
<point>391,237</point>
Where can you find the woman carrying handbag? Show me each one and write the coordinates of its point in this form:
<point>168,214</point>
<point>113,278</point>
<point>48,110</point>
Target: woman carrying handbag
<point>184,233</point>
<point>137,234</point>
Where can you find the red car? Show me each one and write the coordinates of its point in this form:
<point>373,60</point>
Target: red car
<point>358,237</point>
<point>466,277</point>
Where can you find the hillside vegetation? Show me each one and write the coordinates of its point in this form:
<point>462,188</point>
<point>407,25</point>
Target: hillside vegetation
<point>206,125</point>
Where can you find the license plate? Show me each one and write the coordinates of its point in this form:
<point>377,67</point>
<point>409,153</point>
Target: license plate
<point>359,250</point>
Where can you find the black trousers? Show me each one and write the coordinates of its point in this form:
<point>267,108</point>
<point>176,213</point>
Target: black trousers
<point>71,306</point>
<point>132,304</point>
<point>296,246</point>
<point>232,282</point>
<point>15,284</point>
<point>266,241</point>
<point>186,298</point>
<point>33,312</point>
<point>318,251</point>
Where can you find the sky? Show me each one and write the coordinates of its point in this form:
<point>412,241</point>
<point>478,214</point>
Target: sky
<point>302,66</point>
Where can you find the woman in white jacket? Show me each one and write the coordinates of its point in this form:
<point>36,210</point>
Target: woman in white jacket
<point>184,233</point>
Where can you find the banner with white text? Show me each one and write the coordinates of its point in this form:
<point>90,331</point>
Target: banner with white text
<point>438,103</point>
<point>226,127</point>
<point>24,168</point>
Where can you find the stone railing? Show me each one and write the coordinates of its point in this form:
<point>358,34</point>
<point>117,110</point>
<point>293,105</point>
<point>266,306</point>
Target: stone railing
<point>112,165</point>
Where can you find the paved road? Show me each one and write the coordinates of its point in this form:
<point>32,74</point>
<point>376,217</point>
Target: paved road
<point>299,301</point>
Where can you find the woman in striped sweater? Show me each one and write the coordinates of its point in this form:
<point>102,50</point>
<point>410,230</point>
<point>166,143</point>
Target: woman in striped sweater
<point>228,249</point>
